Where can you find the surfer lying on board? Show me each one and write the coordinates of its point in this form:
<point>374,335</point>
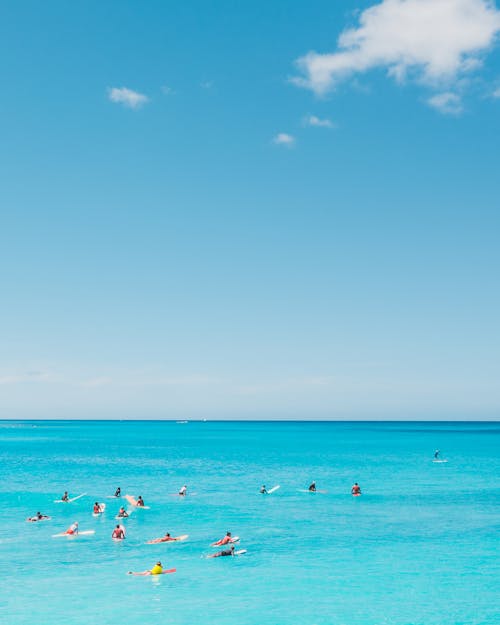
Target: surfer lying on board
<point>164,539</point>
<point>72,529</point>
<point>118,492</point>
<point>263,489</point>
<point>122,513</point>
<point>140,502</point>
<point>356,489</point>
<point>224,541</point>
<point>225,552</point>
<point>156,570</point>
<point>183,491</point>
<point>38,517</point>
<point>312,487</point>
<point>118,533</point>
<point>65,497</point>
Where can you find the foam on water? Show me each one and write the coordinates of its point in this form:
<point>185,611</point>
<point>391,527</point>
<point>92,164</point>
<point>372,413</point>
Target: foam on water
<point>419,546</point>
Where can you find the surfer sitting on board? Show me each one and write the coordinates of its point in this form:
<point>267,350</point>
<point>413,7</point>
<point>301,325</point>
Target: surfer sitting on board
<point>118,533</point>
<point>122,512</point>
<point>356,489</point>
<point>65,497</point>
<point>140,502</point>
<point>118,492</point>
<point>225,552</point>
<point>224,541</point>
<point>183,491</point>
<point>38,517</point>
<point>97,508</point>
<point>263,489</point>
<point>312,487</point>
<point>436,454</point>
<point>156,570</point>
<point>72,529</point>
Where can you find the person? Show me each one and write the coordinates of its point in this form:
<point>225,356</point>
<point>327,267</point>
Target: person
<point>312,487</point>
<point>72,529</point>
<point>118,533</point>
<point>224,541</point>
<point>97,508</point>
<point>118,492</point>
<point>122,513</point>
<point>183,491</point>
<point>38,517</point>
<point>356,489</point>
<point>436,454</point>
<point>164,539</point>
<point>156,570</point>
<point>65,497</point>
<point>140,502</point>
<point>263,489</point>
<point>224,552</point>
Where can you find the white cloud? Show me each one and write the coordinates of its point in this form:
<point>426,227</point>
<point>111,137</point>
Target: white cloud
<point>282,138</point>
<point>431,41</point>
<point>127,97</point>
<point>96,382</point>
<point>496,93</point>
<point>447,102</point>
<point>28,376</point>
<point>312,120</point>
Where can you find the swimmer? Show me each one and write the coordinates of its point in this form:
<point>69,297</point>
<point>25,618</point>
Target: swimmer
<point>183,491</point>
<point>356,489</point>
<point>97,508</point>
<point>72,529</point>
<point>122,513</point>
<point>140,502</point>
<point>65,497</point>
<point>436,454</point>
<point>312,487</point>
<point>225,552</point>
<point>38,517</point>
<point>118,533</point>
<point>164,539</point>
<point>263,489</point>
<point>224,541</point>
<point>118,492</point>
<point>156,570</point>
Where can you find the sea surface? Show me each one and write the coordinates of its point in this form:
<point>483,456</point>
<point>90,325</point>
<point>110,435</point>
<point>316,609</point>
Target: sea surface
<point>420,546</point>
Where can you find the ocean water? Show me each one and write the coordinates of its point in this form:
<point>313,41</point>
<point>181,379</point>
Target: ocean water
<point>420,546</point>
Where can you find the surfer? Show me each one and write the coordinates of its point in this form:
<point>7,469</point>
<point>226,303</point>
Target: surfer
<point>263,489</point>
<point>72,529</point>
<point>436,454</point>
<point>183,491</point>
<point>38,517</point>
<point>224,552</point>
<point>156,570</point>
<point>97,508</point>
<point>312,487</point>
<point>118,533</point>
<point>164,539</point>
<point>224,541</point>
<point>122,513</point>
<point>65,497</point>
<point>118,492</point>
<point>356,489</point>
<point>140,502</point>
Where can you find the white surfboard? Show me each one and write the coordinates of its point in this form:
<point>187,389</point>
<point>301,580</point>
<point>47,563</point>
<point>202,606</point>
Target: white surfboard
<point>69,500</point>
<point>84,533</point>
<point>439,461</point>
<point>273,489</point>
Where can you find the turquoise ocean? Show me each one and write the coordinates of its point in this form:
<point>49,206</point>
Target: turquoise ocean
<point>420,546</point>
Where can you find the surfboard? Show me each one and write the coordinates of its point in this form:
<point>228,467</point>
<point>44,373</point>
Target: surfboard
<point>35,519</point>
<point>133,502</point>
<point>84,533</point>
<point>235,539</point>
<point>102,506</point>
<point>240,552</point>
<point>273,489</point>
<point>306,490</point>
<point>69,500</point>
<point>356,494</point>
<point>149,574</point>
<point>174,539</point>
<point>179,495</point>
<point>121,518</point>
<point>439,461</point>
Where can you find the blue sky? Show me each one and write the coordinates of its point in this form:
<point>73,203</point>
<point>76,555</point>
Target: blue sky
<point>250,209</point>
